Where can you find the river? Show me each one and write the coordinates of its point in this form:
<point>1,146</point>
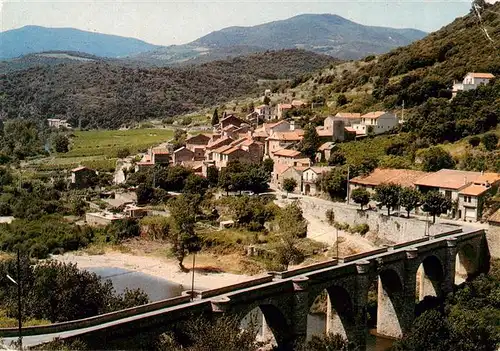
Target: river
<point>159,289</point>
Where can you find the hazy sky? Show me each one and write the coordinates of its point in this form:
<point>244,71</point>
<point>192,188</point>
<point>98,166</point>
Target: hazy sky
<point>176,22</point>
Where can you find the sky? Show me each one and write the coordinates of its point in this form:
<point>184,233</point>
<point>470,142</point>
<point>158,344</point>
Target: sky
<point>166,22</point>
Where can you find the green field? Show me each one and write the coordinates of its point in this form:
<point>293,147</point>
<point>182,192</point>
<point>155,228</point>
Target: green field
<point>108,142</point>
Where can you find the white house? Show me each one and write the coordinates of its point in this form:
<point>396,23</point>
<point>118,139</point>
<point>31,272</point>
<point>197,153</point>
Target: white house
<point>265,112</point>
<point>471,82</point>
<point>58,123</point>
<point>309,178</point>
<point>376,123</point>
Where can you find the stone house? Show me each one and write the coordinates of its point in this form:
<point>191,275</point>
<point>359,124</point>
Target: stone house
<point>309,178</point>
<point>348,117</point>
<point>197,141</point>
<point>229,154</point>
<point>294,172</point>
<point>325,151</point>
<point>230,120</point>
<point>95,219</point>
<point>181,155</point>
<point>160,156</point>
<point>282,140</point>
<point>264,113</point>
<point>216,142</point>
<point>376,122</point>
<point>282,108</point>
<point>290,157</point>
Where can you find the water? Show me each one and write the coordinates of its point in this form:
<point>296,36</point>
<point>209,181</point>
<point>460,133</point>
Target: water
<point>156,288</point>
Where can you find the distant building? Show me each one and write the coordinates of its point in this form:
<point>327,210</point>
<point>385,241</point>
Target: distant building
<point>471,82</point>
<point>95,219</point>
<point>310,177</point>
<point>58,123</point>
<point>82,177</point>
<point>264,113</point>
<point>376,123</point>
<point>282,108</point>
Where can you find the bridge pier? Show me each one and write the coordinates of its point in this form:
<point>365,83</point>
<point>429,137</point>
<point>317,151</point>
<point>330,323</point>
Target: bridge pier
<point>300,310</point>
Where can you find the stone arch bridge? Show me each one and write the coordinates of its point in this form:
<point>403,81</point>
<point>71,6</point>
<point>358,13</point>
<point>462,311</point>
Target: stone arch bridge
<point>285,298</point>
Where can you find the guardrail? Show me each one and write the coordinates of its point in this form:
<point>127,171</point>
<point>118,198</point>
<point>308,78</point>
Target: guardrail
<point>363,255</point>
<point>242,285</point>
<point>95,320</point>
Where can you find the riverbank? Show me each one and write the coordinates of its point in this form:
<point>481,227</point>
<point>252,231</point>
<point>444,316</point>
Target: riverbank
<point>155,266</point>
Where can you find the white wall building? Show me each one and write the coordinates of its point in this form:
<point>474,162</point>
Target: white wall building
<point>376,123</point>
<point>471,82</point>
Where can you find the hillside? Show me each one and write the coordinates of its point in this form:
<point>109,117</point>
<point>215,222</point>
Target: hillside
<point>106,95</point>
<point>321,33</point>
<point>32,39</point>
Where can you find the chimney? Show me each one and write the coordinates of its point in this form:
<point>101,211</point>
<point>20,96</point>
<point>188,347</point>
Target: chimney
<point>292,125</point>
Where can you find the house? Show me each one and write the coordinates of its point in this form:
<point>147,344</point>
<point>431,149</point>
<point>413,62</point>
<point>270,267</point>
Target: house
<point>230,120</point>
<point>216,142</point>
<point>281,140</point>
<point>465,189</point>
<point>182,154</point>
<point>145,162</point>
<point>471,198</point>
<point>290,157</point>
<point>83,177</point>
<point>264,113</point>
<point>58,123</point>
<point>95,219</point>
<point>160,155</point>
<point>348,118</point>
<point>309,178</point>
<point>298,104</point>
<point>197,141</point>
<point>325,151</point>
<point>402,177</point>
<point>376,123</point>
<point>332,130</point>
<point>230,153</point>
<point>282,109</point>
<point>294,172</point>
<point>132,211</point>
<point>471,81</point>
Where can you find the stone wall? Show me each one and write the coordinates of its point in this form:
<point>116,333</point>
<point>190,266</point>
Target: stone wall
<point>493,237</point>
<point>395,229</point>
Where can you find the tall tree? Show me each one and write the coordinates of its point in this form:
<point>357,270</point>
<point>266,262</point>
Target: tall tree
<point>182,235</point>
<point>360,196</point>
<point>410,198</point>
<point>310,142</point>
<point>435,204</point>
<point>215,118</point>
<point>490,141</point>
<point>61,143</point>
<point>388,196</point>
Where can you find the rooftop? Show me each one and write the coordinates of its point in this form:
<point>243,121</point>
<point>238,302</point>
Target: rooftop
<point>448,179</point>
<point>481,75</point>
<point>287,153</point>
<point>285,106</point>
<point>373,115</point>
<point>327,146</point>
<point>495,217</point>
<point>403,177</point>
<point>474,190</point>
<point>348,115</point>
<point>295,135</point>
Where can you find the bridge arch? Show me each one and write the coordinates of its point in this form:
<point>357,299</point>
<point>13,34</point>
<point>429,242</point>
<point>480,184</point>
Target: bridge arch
<point>271,323</point>
<point>338,305</point>
<point>390,303</point>
<point>466,263</point>
<point>431,276</point>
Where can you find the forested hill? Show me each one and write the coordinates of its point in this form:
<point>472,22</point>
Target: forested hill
<point>105,95</point>
<point>427,67</point>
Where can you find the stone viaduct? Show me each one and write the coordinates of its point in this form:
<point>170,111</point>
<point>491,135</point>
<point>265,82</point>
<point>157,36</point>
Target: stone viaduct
<point>285,298</point>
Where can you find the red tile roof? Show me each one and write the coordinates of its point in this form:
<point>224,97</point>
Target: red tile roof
<point>482,75</point>
<point>348,115</point>
<point>373,115</point>
<point>403,177</point>
<point>286,153</point>
<point>473,190</point>
<point>448,179</point>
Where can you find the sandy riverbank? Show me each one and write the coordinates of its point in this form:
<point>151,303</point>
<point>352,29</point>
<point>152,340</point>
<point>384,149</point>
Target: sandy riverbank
<point>155,266</point>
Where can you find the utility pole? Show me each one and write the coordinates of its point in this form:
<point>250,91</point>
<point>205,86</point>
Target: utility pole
<point>348,169</point>
<point>337,241</point>
<point>19,306</point>
<point>403,112</point>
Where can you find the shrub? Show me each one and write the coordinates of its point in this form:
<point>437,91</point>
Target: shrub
<point>474,141</point>
<point>361,229</point>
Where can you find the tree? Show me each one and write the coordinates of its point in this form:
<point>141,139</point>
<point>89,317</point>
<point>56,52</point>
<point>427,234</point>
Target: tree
<point>341,100</point>
<point>334,183</point>
<point>474,141</point>
<point>212,176</point>
<point>179,140</point>
<point>291,227</point>
<point>182,234</point>
<point>435,204</point>
<point>436,158</point>
<point>360,196</point>
<point>310,142</point>
<point>215,118</point>
<point>490,141</point>
<point>61,143</point>
<point>337,158</point>
<point>268,165</point>
<point>410,198</point>
<point>144,193</point>
<point>289,185</point>
<point>123,152</point>
<point>387,195</point>
<point>196,184</point>
<point>267,100</point>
